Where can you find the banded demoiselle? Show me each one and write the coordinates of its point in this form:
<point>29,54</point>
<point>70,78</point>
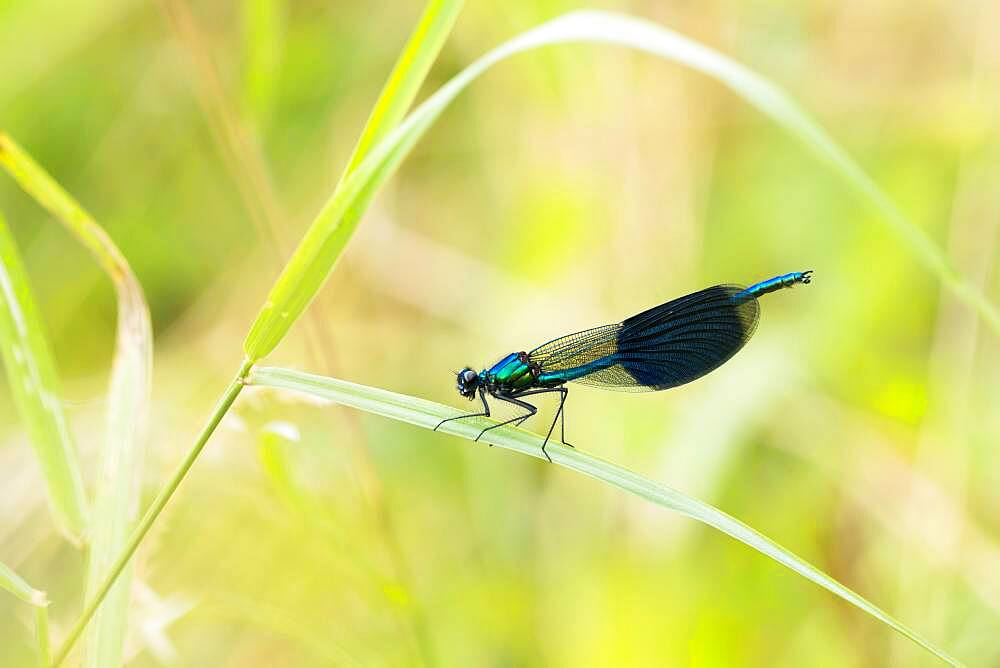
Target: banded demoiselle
<point>663,347</point>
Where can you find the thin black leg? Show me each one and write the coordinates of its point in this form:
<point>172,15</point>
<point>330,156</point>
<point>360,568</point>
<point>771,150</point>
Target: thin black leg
<point>560,413</point>
<point>485,413</point>
<point>517,418</point>
<point>562,417</point>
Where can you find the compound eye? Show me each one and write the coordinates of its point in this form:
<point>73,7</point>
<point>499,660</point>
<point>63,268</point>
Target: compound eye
<point>469,376</point>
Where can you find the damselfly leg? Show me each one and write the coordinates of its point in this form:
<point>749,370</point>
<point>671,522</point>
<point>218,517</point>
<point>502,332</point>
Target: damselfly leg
<point>517,418</point>
<point>485,413</point>
<point>560,414</point>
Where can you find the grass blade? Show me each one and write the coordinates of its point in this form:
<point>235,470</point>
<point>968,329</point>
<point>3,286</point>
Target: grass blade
<point>410,70</point>
<point>117,489</point>
<point>428,414</point>
<point>328,235</point>
<point>122,563</point>
<point>407,76</point>
<point>33,382</point>
<point>16,585</point>
<point>42,636</point>
<point>310,265</point>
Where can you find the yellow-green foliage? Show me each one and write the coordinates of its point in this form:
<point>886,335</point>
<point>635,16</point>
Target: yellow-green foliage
<point>530,192</point>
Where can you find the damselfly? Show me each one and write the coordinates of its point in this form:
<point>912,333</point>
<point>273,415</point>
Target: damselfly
<point>666,346</point>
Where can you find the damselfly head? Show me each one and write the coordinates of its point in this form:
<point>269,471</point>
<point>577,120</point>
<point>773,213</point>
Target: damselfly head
<point>468,383</point>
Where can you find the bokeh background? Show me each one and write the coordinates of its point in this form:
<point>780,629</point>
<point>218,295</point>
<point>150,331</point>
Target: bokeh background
<point>567,188</point>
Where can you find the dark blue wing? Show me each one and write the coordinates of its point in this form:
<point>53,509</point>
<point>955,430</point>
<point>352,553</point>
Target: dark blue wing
<point>664,347</point>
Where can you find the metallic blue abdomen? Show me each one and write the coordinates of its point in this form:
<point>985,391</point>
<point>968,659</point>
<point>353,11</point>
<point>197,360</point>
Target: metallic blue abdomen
<point>772,284</point>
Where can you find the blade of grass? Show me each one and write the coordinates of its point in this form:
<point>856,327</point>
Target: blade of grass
<point>428,414</point>
<point>16,585</point>
<point>398,93</point>
<point>154,510</point>
<point>42,636</point>
<point>407,76</point>
<point>117,489</point>
<point>31,373</point>
<point>119,483</point>
<point>395,99</point>
<point>329,233</point>
<point>405,80</point>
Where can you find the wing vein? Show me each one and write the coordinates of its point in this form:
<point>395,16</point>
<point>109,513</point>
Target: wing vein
<point>665,346</point>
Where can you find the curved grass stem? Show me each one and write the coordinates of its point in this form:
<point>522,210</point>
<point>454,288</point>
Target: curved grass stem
<point>221,408</point>
<point>427,414</point>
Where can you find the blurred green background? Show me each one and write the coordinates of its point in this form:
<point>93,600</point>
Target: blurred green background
<point>568,188</point>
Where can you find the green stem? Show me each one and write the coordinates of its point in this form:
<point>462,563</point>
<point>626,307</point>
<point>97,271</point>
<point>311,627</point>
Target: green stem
<point>42,635</point>
<point>221,408</point>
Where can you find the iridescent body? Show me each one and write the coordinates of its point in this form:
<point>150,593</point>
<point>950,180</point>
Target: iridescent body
<point>665,346</point>
<point>775,284</point>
